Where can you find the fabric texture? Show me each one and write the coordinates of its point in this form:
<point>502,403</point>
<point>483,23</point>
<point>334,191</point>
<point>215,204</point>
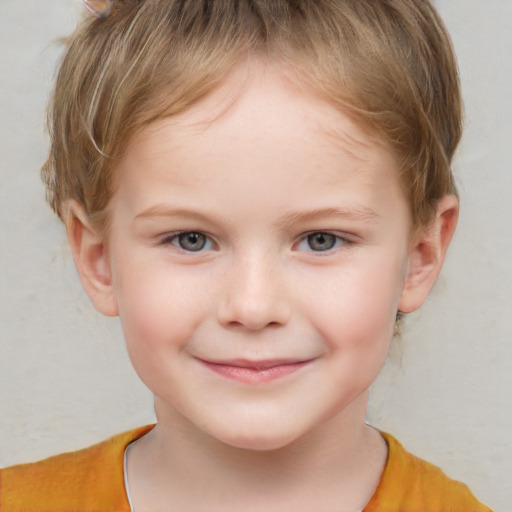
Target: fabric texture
<point>92,480</point>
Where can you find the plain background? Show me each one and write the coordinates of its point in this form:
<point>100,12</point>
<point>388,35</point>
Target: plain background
<point>446,392</point>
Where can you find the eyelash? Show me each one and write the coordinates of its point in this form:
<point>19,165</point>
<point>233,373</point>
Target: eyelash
<point>336,239</point>
<point>174,239</point>
<point>325,237</point>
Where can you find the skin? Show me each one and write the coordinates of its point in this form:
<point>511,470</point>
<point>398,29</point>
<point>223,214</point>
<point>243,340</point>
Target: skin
<point>298,251</point>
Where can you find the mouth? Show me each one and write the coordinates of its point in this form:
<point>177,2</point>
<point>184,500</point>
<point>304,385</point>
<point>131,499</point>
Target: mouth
<point>255,372</point>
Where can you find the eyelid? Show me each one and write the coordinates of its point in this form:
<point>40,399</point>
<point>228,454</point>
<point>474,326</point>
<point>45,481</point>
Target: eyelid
<point>168,238</point>
<point>343,239</point>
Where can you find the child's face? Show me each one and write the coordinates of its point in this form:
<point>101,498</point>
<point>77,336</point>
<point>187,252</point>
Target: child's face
<point>258,253</point>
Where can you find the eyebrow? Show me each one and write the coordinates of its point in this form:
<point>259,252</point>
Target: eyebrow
<point>357,213</point>
<point>168,210</point>
<point>354,213</point>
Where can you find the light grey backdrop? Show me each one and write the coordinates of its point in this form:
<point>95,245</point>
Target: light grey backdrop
<point>65,380</point>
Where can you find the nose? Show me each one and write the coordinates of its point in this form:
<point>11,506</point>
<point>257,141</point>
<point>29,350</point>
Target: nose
<point>255,295</point>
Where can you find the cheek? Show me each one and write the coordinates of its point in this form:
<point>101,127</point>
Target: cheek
<point>159,309</point>
<point>358,307</point>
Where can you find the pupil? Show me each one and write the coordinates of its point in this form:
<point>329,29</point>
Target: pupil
<point>321,241</point>
<point>192,241</point>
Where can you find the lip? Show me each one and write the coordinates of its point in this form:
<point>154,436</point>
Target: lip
<point>255,372</point>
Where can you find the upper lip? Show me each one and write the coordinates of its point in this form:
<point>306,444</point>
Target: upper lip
<point>255,365</point>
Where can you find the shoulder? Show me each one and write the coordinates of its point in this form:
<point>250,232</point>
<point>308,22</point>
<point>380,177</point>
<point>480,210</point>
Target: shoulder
<point>411,484</point>
<point>87,480</point>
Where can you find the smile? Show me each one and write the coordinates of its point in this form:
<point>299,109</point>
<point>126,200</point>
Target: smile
<point>255,372</point>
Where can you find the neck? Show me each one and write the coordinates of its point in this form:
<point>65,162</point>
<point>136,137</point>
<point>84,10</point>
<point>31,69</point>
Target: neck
<point>175,458</point>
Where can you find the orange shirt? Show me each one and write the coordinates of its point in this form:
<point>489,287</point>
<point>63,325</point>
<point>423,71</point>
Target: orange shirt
<point>92,480</point>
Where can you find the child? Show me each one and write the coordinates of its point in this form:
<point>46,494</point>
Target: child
<point>260,190</point>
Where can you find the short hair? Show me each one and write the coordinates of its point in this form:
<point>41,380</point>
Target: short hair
<point>388,63</point>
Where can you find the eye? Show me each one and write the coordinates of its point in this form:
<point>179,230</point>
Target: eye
<point>320,241</point>
<point>191,241</point>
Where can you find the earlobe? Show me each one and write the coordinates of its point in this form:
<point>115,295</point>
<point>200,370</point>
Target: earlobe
<point>427,254</point>
<point>91,259</point>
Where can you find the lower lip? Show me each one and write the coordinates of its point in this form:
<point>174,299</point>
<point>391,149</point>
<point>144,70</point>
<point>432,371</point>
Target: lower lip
<point>252,375</point>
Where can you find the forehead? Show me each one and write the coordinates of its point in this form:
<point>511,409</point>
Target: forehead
<point>259,92</point>
<point>261,132</point>
<point>268,101</point>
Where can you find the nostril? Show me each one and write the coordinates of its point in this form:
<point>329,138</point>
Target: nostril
<point>253,319</point>
<point>254,297</point>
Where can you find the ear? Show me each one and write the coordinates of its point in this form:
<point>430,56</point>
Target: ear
<point>91,259</point>
<point>426,254</point>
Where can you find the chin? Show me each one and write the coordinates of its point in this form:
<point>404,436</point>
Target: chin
<point>258,443</point>
<point>258,439</point>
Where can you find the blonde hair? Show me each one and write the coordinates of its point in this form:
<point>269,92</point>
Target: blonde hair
<point>389,63</point>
